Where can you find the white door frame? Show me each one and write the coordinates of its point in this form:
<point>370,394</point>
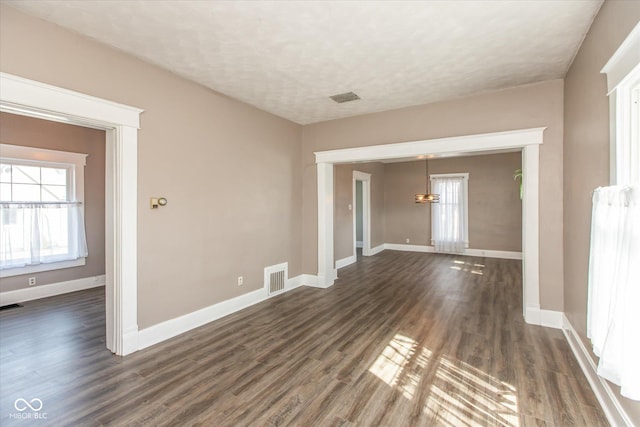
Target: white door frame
<point>121,123</point>
<point>365,178</point>
<point>526,140</point>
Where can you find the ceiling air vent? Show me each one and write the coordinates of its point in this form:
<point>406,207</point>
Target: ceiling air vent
<point>345,97</point>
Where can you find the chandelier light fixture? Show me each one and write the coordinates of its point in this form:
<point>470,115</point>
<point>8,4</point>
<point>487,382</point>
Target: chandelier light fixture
<point>428,197</point>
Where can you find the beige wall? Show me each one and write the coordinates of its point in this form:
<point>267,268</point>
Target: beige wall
<point>495,208</point>
<point>518,108</point>
<point>229,171</point>
<point>586,146</point>
<point>30,132</point>
<point>403,217</point>
<point>343,197</point>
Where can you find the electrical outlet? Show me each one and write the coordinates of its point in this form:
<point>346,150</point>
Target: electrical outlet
<point>408,240</point>
<point>32,281</point>
<point>240,280</point>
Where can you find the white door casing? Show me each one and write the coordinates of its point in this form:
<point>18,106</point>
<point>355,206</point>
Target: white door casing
<point>121,123</point>
<point>365,178</point>
<point>526,140</point>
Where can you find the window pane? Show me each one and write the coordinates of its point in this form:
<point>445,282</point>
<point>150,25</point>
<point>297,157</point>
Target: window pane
<point>5,192</point>
<point>26,193</point>
<point>5,172</point>
<point>54,193</point>
<point>54,232</point>
<point>54,176</point>
<point>26,174</point>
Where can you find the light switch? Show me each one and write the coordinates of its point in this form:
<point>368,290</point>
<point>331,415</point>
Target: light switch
<point>156,202</point>
<point>350,207</point>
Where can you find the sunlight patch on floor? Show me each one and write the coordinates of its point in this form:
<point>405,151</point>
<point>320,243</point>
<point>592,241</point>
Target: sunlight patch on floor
<point>469,267</point>
<point>471,396</point>
<point>391,364</point>
<point>460,394</point>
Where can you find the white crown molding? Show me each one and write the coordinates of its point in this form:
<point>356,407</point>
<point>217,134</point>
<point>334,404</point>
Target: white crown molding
<point>615,413</point>
<point>45,291</point>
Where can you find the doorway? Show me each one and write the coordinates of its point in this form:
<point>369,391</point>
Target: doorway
<point>526,140</point>
<point>361,213</point>
<point>358,222</point>
<point>121,122</point>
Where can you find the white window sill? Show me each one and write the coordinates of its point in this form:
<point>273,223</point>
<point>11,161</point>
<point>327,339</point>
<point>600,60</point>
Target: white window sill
<point>9,272</point>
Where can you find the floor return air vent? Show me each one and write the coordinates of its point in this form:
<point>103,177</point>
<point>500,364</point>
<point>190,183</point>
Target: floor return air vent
<point>275,278</point>
<point>10,306</point>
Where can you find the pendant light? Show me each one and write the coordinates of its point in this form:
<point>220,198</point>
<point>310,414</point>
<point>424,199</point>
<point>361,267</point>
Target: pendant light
<point>428,197</point>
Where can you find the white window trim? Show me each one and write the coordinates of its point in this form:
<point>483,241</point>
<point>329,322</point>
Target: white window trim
<point>30,269</point>
<point>623,79</point>
<point>53,157</point>
<point>465,207</point>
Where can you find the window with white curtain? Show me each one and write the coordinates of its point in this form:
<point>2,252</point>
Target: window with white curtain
<point>613,312</point>
<point>450,217</point>
<point>41,210</point>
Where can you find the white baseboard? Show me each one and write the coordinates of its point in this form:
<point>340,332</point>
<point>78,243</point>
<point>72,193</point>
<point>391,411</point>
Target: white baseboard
<point>308,280</point>
<point>179,325</point>
<point>468,252</point>
<point>408,248</point>
<point>320,281</point>
<point>548,318</point>
<point>614,412</point>
<point>488,253</point>
<point>45,291</point>
<point>376,250</point>
<point>130,341</point>
<point>300,280</point>
<point>359,244</point>
<point>346,261</point>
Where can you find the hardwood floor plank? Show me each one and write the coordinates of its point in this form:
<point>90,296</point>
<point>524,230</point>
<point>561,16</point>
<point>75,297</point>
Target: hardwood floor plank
<point>401,339</point>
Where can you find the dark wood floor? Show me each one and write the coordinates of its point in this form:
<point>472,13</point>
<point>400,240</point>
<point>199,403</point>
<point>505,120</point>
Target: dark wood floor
<point>401,339</point>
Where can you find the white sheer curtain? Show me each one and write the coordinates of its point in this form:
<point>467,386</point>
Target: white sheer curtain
<point>613,315</point>
<point>448,217</point>
<point>36,233</point>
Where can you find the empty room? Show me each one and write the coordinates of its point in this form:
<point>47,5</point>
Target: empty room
<point>319,213</point>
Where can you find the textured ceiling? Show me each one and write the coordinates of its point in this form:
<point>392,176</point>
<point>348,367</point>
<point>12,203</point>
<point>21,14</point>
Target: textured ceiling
<point>289,57</point>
